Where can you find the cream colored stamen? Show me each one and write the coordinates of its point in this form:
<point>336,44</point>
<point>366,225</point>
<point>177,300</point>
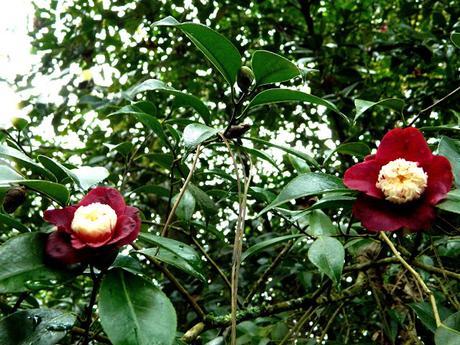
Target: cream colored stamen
<point>402,181</point>
<point>94,220</point>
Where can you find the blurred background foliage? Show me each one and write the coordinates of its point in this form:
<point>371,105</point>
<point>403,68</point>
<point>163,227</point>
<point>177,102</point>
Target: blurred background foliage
<point>95,51</point>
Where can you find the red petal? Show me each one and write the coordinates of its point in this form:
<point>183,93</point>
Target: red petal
<point>407,143</point>
<point>62,218</point>
<point>81,240</point>
<point>127,229</point>
<point>440,179</point>
<point>381,215</point>
<point>105,195</point>
<point>363,177</point>
<point>59,250</point>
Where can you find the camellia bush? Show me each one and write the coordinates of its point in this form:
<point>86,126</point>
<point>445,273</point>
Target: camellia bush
<point>287,173</point>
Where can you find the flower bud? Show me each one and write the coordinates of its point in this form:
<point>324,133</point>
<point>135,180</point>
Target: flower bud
<point>14,198</point>
<point>245,78</point>
<point>19,123</point>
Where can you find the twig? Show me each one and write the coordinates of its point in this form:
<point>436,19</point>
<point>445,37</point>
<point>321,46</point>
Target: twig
<point>92,300</point>
<point>329,323</point>
<point>262,279</point>
<point>164,232</point>
<point>298,326</point>
<point>419,279</point>
<point>433,105</point>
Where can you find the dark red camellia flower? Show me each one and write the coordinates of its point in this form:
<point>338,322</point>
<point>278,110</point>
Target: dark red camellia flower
<point>400,184</point>
<point>97,226</point>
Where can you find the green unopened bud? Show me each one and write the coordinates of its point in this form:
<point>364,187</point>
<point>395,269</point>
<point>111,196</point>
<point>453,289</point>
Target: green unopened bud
<point>19,123</point>
<point>245,78</point>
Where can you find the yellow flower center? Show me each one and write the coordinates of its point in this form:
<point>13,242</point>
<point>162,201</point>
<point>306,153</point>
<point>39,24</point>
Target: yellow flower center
<point>402,181</point>
<point>94,219</point>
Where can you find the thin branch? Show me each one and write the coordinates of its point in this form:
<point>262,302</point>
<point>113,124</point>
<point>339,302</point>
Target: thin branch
<point>433,105</point>
<point>417,276</point>
<point>164,232</point>
<point>329,323</point>
<point>92,300</point>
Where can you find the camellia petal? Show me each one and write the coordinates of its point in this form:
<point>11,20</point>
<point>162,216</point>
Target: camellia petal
<point>407,143</point>
<point>105,195</point>
<point>62,218</point>
<point>362,177</point>
<point>58,249</point>
<point>381,215</point>
<point>440,179</point>
<point>126,231</point>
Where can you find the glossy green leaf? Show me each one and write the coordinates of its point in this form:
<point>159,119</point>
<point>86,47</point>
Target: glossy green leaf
<point>184,99</point>
<point>157,190</point>
<point>321,224</point>
<point>305,185</point>
<point>289,150</point>
<point>333,201</point>
<point>52,190</point>
<point>449,332</point>
<point>270,68</point>
<point>138,110</point>
<point>174,253</point>
<point>58,170</point>
<point>134,311</point>
<point>391,103</point>
<point>22,266</point>
<point>23,160</point>
<point>90,176</point>
<point>186,206</point>
<point>452,202</point>
<point>455,38</point>
<point>203,200</point>
<point>267,244</point>
<point>7,173</point>
<point>357,149</point>
<point>196,133</point>
<point>217,48</point>
<point>450,148</point>
<point>271,96</point>
<point>35,327</point>
<point>13,223</point>
<point>424,312</point>
<point>328,255</point>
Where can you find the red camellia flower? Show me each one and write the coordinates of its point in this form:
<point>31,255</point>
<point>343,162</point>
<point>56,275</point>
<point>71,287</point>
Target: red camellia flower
<point>98,225</point>
<point>400,184</point>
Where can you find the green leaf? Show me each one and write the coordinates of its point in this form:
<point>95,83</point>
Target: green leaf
<point>328,255</point>
<point>157,190</point>
<point>23,160</point>
<point>452,202</point>
<point>58,170</point>
<point>90,176</point>
<point>147,119</point>
<point>184,99</point>
<point>293,152</point>
<point>7,173</point>
<point>196,133</point>
<point>451,149</point>
<point>321,224</point>
<point>217,48</point>
<point>455,38</point>
<point>22,266</point>
<point>333,201</point>
<point>392,103</point>
<point>186,206</point>
<point>134,311</point>
<point>357,149</point>
<point>204,201</point>
<point>11,222</point>
<point>52,190</point>
<point>35,327</point>
<point>425,314</point>
<point>305,185</point>
<point>271,96</point>
<point>449,332</point>
<point>175,253</point>
<point>267,244</point>
<point>269,68</point>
